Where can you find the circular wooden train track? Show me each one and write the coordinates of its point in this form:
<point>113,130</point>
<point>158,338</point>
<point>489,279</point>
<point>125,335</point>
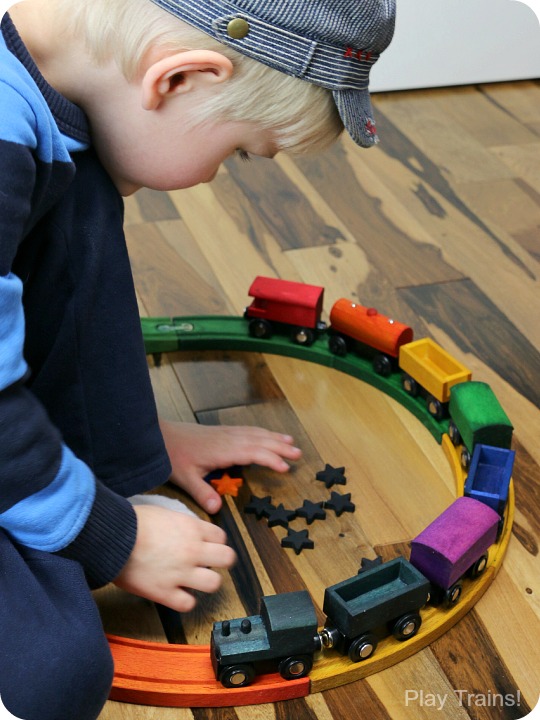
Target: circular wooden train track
<point>172,675</point>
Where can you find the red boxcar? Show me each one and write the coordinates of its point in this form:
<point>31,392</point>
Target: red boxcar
<point>285,303</point>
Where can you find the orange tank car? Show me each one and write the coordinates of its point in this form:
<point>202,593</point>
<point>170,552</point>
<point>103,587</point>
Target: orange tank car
<point>369,332</point>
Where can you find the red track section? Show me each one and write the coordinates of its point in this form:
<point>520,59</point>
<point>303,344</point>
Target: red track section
<point>150,673</point>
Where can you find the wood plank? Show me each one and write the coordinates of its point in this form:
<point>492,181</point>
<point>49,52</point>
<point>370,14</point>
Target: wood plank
<point>218,379</point>
<point>215,714</point>
<point>465,238</point>
<point>167,283</point>
<point>475,114</point>
<point>128,615</point>
<point>425,120</point>
<point>266,187</point>
<point>178,236</point>
<point>367,209</point>
<point>518,99</point>
<point>154,205</point>
<point>489,682</point>
<point>124,711</point>
<point>414,689</point>
<point>522,161</point>
<point>350,702</point>
<point>514,630</point>
<point>527,523</point>
<point>507,204</point>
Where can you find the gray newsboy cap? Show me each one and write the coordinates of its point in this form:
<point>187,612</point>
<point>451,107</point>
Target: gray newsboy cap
<point>331,43</point>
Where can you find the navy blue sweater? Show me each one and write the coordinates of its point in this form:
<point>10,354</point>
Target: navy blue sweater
<point>78,424</point>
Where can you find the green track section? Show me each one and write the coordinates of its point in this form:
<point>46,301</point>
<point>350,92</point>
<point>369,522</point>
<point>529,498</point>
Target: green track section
<point>219,332</point>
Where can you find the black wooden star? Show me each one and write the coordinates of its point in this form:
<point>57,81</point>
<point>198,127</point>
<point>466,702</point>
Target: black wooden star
<point>332,476</point>
<point>311,511</point>
<point>340,503</point>
<point>367,564</point>
<point>298,540</point>
<point>261,507</point>
<point>280,516</point>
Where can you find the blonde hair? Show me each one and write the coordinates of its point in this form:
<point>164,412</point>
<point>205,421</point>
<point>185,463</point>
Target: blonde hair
<point>302,116</point>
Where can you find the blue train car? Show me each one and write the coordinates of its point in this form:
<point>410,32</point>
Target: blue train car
<point>489,476</point>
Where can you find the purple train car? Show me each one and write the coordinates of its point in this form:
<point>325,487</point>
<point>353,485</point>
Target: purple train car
<point>454,544</point>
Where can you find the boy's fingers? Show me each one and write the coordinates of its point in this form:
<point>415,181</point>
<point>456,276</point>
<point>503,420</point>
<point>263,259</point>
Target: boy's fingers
<point>270,459</point>
<point>180,600</point>
<point>202,492</point>
<point>211,533</point>
<point>284,450</point>
<point>216,556</point>
<point>204,495</point>
<point>263,441</point>
<point>204,580</point>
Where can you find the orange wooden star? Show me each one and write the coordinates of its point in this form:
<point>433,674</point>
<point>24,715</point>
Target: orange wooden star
<point>226,485</point>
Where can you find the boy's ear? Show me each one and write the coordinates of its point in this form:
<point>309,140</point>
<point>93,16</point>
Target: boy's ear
<point>181,73</point>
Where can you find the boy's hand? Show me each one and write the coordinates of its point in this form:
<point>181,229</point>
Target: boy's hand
<point>195,450</point>
<point>174,552</point>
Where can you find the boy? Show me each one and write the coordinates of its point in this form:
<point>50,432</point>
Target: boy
<point>97,99</point>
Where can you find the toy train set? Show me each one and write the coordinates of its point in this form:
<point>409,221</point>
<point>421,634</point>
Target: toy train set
<point>361,610</point>
<point>447,559</point>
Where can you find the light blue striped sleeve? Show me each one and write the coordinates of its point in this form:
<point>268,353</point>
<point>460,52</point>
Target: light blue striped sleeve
<point>12,364</point>
<point>51,518</point>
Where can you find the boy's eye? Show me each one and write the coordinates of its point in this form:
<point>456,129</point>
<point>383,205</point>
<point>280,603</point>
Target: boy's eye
<point>242,154</point>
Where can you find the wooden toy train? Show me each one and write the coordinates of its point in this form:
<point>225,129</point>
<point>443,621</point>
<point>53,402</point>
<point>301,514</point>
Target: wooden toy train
<point>387,598</point>
<point>283,306</point>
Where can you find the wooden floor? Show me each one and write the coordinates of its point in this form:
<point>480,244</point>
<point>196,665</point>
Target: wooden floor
<point>439,226</point>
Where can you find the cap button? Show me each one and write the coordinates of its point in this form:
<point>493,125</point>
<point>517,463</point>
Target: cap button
<point>238,28</point>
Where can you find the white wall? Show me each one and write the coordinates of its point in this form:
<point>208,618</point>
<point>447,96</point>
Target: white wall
<point>454,42</point>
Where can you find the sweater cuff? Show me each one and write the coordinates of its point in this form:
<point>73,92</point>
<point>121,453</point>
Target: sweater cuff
<point>106,541</point>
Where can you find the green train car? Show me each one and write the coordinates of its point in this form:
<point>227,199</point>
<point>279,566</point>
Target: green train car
<point>477,417</point>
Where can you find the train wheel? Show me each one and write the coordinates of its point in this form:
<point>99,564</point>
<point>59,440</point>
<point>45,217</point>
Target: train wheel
<point>260,328</point>
<point>337,345</point>
<point>362,647</point>
<point>465,458</point>
<point>452,595</point>
<point>410,385</point>
<point>303,336</point>
<point>382,365</point>
<point>479,566</point>
<point>435,407</point>
<point>454,434</point>
<point>235,676</point>
<point>295,667</point>
<point>407,626</point>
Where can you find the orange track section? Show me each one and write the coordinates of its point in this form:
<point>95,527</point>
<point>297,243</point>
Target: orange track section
<point>151,673</point>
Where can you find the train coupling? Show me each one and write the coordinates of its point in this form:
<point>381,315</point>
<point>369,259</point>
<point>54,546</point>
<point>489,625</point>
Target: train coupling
<point>329,637</point>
